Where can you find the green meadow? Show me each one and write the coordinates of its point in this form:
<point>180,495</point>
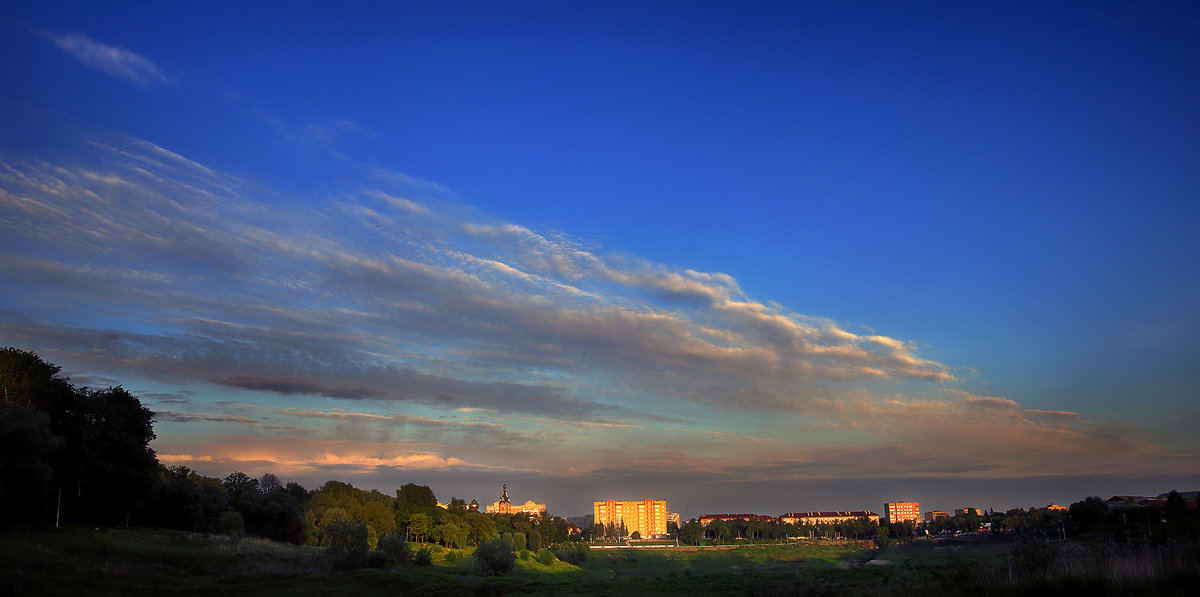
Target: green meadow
<point>104,561</point>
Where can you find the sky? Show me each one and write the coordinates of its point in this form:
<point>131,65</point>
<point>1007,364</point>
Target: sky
<point>743,257</point>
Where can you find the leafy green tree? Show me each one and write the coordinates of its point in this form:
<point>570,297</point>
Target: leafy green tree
<point>534,540</point>
<point>412,497</point>
<point>494,558</point>
<point>420,527</point>
<point>636,535</point>
<point>395,546</point>
<point>691,533</point>
<point>452,533</point>
<point>346,542</point>
<point>480,527</point>
<point>378,517</point>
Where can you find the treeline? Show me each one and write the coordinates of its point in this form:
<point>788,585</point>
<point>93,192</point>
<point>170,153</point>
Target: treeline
<point>729,531</point>
<point>77,455</point>
<point>1178,518</point>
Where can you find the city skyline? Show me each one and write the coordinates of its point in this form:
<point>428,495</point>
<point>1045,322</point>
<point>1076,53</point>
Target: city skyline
<point>744,259</point>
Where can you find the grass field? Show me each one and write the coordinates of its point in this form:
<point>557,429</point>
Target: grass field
<point>89,561</point>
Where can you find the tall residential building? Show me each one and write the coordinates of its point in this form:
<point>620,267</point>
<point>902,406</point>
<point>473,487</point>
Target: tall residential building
<point>902,511</point>
<point>647,517</point>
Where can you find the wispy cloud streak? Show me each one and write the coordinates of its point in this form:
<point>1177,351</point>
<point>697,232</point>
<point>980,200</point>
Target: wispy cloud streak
<point>118,62</point>
<point>535,351</point>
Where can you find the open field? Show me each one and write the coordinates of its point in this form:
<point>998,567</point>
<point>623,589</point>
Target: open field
<point>85,560</point>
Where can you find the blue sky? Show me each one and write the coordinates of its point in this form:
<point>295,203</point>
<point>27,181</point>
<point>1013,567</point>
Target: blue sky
<point>836,253</point>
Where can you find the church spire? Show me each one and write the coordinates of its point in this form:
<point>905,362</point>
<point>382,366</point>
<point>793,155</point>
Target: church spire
<point>504,494</point>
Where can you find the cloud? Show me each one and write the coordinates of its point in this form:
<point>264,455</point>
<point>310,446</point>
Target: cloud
<point>393,316</point>
<point>118,62</point>
<point>287,385</point>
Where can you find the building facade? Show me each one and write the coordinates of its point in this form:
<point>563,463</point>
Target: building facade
<point>648,517</point>
<point>902,511</point>
<point>707,518</point>
<point>827,517</point>
<point>505,506</point>
<point>933,515</point>
<point>967,512</point>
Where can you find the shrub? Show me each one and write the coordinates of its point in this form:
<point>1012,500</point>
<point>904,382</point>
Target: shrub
<point>546,557</point>
<point>574,553</point>
<point>494,558</point>
<point>525,555</point>
<point>231,523</point>
<point>346,542</point>
<point>380,559</point>
<point>395,546</point>
<point>452,556</point>
<point>423,557</point>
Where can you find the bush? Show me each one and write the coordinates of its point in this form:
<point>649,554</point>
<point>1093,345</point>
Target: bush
<point>574,553</point>
<point>452,556</point>
<point>546,557</point>
<point>380,559</point>
<point>423,557</point>
<point>395,546</point>
<point>346,542</point>
<point>526,556</point>
<point>231,523</point>
<point>494,558</point>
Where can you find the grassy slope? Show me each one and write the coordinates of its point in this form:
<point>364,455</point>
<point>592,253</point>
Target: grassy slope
<point>83,560</point>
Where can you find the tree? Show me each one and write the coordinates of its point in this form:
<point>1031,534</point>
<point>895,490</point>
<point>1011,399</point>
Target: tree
<point>238,483</point>
<point>412,497</point>
<point>691,533</point>
<point>28,446</point>
<point>534,541</point>
<point>420,527</point>
<point>347,543</point>
<point>395,546</point>
<point>452,533</point>
<point>636,535</point>
<point>494,558</point>
<point>269,482</point>
<point>116,467</point>
<point>378,518</point>
<point>1088,514</point>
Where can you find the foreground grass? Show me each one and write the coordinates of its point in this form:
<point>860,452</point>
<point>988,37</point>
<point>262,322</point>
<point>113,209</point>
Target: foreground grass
<point>84,560</point>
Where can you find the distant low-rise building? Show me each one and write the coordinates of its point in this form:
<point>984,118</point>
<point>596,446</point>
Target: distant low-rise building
<point>902,511</point>
<point>827,517</point>
<point>933,515</point>
<point>647,517</point>
<point>967,512</point>
<point>1055,507</point>
<point>707,518</point>
<point>505,506</point>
